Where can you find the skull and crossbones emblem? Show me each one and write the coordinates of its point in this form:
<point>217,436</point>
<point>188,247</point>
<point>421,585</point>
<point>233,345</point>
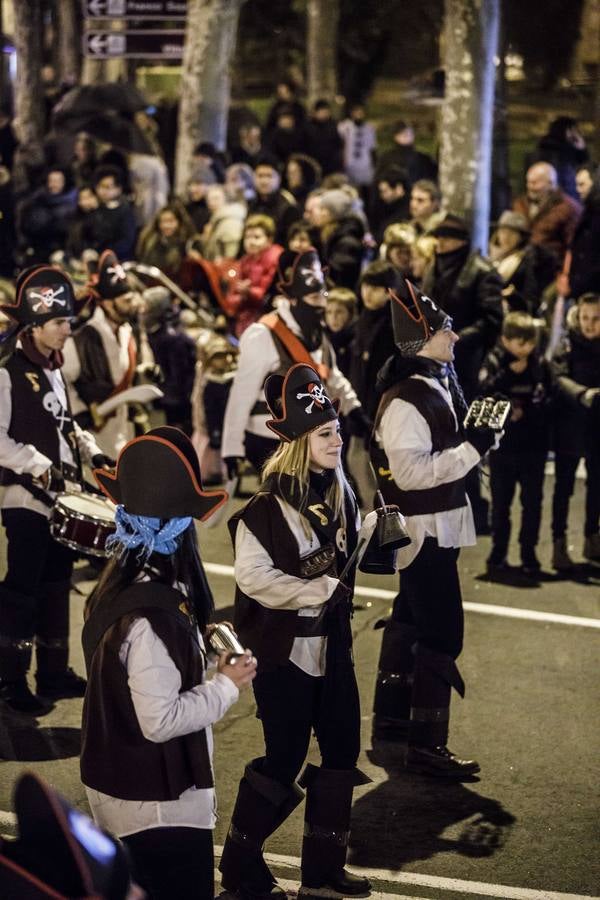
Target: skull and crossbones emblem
<point>312,275</point>
<point>116,273</point>
<point>46,298</point>
<point>52,404</point>
<point>316,394</point>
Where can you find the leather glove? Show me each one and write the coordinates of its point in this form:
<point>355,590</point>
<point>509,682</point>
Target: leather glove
<point>233,464</point>
<point>359,424</point>
<point>100,461</point>
<point>483,439</point>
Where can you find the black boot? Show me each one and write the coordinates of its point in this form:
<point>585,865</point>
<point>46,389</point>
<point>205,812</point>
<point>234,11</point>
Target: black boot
<point>393,691</point>
<point>262,805</point>
<point>435,676</point>
<point>60,684</point>
<point>17,695</point>
<point>54,679</point>
<point>326,833</point>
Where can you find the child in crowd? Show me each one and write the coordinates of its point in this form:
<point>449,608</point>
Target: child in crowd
<point>515,369</point>
<point>217,362</point>
<point>398,240</point>
<point>299,237</point>
<point>247,295</point>
<point>577,428</point>
<point>340,319</point>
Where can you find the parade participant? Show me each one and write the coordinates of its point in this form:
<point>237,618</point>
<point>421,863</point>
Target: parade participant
<point>148,710</point>
<point>421,458</point>
<point>292,540</point>
<point>40,448</point>
<point>100,359</point>
<point>292,334</point>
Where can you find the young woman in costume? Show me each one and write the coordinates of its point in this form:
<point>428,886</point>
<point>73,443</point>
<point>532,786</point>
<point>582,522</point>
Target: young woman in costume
<point>292,541</point>
<point>148,710</point>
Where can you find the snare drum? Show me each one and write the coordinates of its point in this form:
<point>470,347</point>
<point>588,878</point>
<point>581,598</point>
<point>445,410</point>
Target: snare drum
<point>83,522</point>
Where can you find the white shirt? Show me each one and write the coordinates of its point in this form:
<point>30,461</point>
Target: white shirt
<point>164,713</point>
<point>405,436</point>
<point>256,576</point>
<point>24,458</point>
<point>258,358</point>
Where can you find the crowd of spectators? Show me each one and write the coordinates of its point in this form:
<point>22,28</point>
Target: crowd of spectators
<point>303,179</point>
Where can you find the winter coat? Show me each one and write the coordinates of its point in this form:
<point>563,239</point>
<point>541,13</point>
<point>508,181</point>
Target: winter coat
<point>372,346</point>
<point>585,249</point>
<point>226,229</point>
<point>564,156</point>
<point>44,222</point>
<point>417,165</point>
<point>114,228</point>
<point>323,143</point>
<point>341,341</point>
<point>175,353</point>
<point>166,253</point>
<point>576,368</point>
<point>530,393</point>
<point>259,269</point>
<point>535,269</point>
<point>468,288</point>
<point>343,251</point>
<point>554,225</point>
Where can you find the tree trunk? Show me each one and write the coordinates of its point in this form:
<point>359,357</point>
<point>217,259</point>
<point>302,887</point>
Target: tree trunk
<point>321,49</point>
<point>29,109</point>
<point>210,37</point>
<point>470,43</point>
<point>69,42</point>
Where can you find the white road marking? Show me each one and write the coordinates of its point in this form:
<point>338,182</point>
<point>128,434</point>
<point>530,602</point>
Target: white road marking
<point>291,889</point>
<point>436,882</point>
<point>488,609</point>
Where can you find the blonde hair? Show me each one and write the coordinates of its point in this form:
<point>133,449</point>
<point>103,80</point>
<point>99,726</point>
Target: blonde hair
<point>293,458</point>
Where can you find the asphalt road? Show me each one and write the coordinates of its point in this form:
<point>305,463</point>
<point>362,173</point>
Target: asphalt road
<point>526,829</point>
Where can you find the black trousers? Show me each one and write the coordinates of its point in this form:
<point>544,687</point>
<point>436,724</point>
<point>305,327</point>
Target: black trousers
<point>173,863</point>
<point>565,468</point>
<point>430,599</point>
<point>290,707</point>
<point>34,597</point>
<point>507,470</point>
<point>258,449</point>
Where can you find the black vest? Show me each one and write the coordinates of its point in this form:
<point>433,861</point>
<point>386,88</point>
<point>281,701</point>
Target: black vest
<point>444,435</point>
<point>32,420</point>
<point>116,758</point>
<point>268,632</point>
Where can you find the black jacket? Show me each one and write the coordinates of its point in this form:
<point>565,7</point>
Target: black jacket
<point>576,368</point>
<point>585,248</point>
<point>531,277</point>
<point>323,143</point>
<point>282,211</point>
<point>343,252</point>
<point>373,344</point>
<point>468,288</point>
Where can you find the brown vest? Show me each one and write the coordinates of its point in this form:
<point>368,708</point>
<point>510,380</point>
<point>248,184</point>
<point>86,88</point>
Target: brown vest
<point>116,758</point>
<point>444,435</point>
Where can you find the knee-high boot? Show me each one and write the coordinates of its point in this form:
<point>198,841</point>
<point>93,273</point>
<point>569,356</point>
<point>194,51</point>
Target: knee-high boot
<point>262,805</point>
<point>326,833</point>
<point>393,690</point>
<point>54,678</point>
<point>434,677</point>
<point>17,613</point>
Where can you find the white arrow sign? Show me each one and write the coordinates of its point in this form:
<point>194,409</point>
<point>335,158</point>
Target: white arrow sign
<point>96,7</point>
<point>97,44</point>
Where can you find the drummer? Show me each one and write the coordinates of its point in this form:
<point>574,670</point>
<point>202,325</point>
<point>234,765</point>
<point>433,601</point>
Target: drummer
<point>101,357</point>
<point>41,452</point>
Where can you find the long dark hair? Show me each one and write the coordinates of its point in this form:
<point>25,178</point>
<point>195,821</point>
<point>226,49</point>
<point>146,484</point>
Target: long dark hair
<point>183,567</point>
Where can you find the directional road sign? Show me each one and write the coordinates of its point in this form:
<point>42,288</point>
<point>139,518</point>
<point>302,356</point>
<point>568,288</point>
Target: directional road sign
<point>135,9</point>
<point>141,44</point>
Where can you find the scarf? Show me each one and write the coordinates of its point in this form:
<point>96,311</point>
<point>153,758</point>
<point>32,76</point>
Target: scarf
<point>150,534</point>
<point>54,361</point>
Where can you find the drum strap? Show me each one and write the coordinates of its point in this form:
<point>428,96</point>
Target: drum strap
<point>143,595</point>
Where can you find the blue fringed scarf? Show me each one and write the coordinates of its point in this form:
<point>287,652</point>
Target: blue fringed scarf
<point>145,532</point>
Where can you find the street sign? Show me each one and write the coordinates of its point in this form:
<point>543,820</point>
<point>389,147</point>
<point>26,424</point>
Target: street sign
<point>135,9</point>
<point>157,44</point>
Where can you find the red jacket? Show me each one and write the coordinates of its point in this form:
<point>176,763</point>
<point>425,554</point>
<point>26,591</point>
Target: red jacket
<point>245,307</point>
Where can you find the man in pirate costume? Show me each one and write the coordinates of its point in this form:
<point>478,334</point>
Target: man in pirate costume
<point>421,456</point>
<point>292,541</point>
<point>100,358</point>
<point>292,334</point>
<point>41,448</point>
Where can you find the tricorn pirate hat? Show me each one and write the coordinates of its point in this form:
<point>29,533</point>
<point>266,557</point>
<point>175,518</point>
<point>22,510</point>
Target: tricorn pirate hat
<point>300,274</point>
<point>60,852</point>
<point>298,402</point>
<point>42,293</point>
<point>415,317</point>
<point>110,278</point>
<point>158,475</point>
